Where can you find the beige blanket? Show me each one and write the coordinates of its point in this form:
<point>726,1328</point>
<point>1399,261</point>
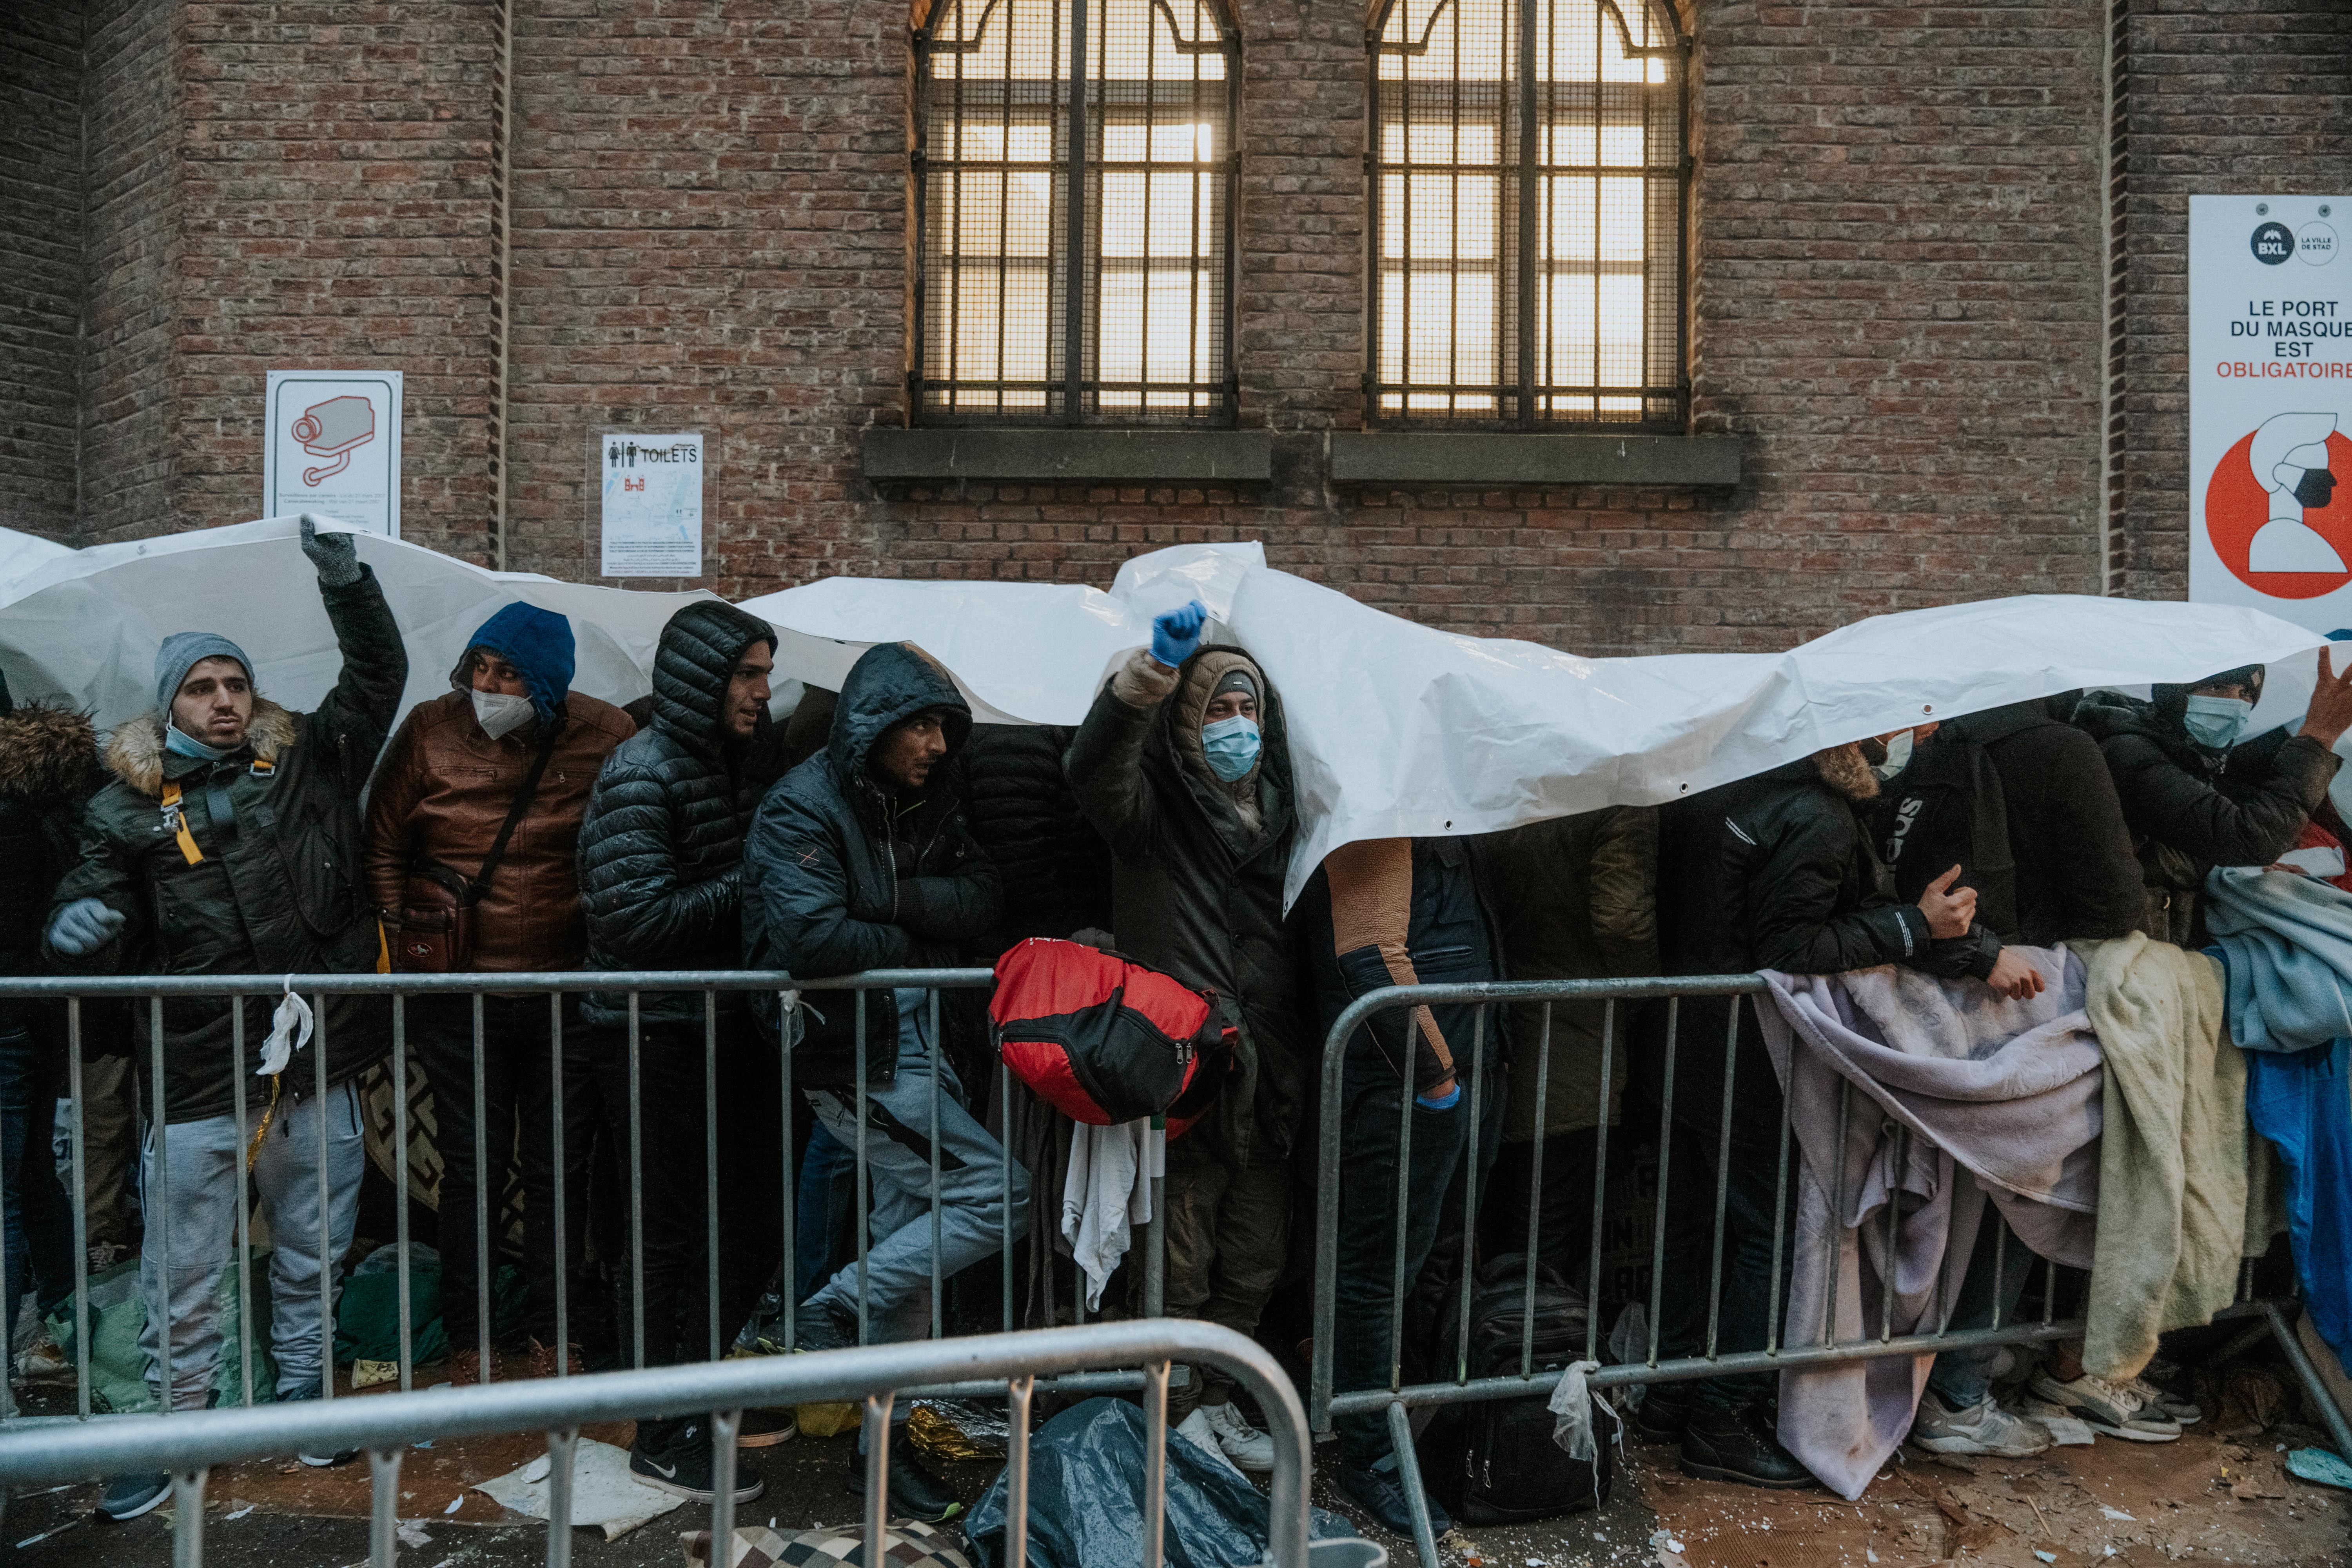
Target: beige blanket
<point>2174,1214</point>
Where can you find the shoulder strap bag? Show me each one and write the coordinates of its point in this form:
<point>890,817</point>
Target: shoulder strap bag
<point>436,904</point>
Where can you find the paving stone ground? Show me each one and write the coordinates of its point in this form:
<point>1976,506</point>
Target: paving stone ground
<point>2207,1499</point>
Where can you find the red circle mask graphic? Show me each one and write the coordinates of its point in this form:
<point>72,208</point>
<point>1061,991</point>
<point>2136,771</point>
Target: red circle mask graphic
<point>2236,508</point>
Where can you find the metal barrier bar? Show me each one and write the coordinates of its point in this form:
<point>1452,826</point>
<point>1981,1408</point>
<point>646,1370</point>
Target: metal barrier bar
<point>1327,1229</point>
<point>484,1080</point>
<point>214,987</point>
<point>1822,1343</point>
<point>190,1445</point>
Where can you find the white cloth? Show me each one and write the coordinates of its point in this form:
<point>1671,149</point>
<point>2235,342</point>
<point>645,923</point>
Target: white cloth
<point>1106,1195</point>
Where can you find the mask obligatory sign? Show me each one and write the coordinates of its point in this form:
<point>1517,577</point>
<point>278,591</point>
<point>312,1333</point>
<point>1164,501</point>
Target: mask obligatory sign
<point>332,445</point>
<point>2270,405</point>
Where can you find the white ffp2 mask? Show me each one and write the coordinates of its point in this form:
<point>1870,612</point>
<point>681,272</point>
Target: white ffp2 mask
<point>499,714</point>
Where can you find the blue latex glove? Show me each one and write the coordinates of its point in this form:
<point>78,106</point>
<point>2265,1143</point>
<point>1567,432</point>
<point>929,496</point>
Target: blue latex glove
<point>84,926</point>
<point>1176,635</point>
<point>1445,1101</point>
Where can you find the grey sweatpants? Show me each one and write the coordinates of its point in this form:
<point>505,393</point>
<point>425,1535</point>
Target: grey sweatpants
<point>203,1164</point>
<point>899,1158</point>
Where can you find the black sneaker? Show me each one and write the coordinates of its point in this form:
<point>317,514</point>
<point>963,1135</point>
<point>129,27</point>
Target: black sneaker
<point>1741,1446</point>
<point>684,1465</point>
<point>128,1497</point>
<point>1665,1412</point>
<point>766,1428</point>
<point>309,1391</point>
<point>821,1326</point>
<point>917,1491</point>
<point>763,1334</point>
<point>1378,1493</point>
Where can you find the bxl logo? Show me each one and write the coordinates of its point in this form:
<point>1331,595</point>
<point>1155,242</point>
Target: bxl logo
<point>2272,244</point>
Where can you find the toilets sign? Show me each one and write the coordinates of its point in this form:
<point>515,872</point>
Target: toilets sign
<point>2270,405</point>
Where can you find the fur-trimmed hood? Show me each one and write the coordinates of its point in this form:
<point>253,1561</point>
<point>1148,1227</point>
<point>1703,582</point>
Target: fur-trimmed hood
<point>46,754</point>
<point>135,751</point>
<point>1845,769</point>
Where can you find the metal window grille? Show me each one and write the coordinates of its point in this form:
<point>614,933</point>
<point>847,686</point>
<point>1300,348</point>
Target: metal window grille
<point>1095,129</point>
<point>1526,233</point>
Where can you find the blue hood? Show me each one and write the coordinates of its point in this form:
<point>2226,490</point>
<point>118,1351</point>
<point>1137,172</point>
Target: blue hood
<point>535,641</point>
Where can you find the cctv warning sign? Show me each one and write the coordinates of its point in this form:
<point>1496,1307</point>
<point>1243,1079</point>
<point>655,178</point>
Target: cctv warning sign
<point>2270,405</point>
<point>333,446</point>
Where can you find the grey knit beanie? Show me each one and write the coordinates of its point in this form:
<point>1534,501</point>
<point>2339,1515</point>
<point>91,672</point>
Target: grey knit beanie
<point>180,652</point>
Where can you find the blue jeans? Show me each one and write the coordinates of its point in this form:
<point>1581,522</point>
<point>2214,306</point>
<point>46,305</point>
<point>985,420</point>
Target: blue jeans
<point>973,1213</point>
<point>1362,1349</point>
<point>822,1200</point>
<point>1962,1378</point>
<point>1751,1287</point>
<point>39,1217</point>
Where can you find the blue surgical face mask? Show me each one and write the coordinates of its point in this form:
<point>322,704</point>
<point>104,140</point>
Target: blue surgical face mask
<point>181,743</point>
<point>1231,747</point>
<point>2216,722</point>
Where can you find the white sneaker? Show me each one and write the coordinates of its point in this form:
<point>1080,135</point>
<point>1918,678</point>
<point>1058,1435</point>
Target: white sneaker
<point>1195,1429</point>
<point>1982,1428</point>
<point>2171,1406</point>
<point>1244,1444</point>
<point>2106,1408</point>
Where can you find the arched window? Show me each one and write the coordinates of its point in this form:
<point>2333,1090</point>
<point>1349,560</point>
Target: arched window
<point>1526,224</point>
<point>1074,177</point>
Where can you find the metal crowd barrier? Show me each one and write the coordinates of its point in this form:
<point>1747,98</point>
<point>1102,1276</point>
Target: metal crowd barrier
<point>1814,1345</point>
<point>384,1426</point>
<point>399,990</point>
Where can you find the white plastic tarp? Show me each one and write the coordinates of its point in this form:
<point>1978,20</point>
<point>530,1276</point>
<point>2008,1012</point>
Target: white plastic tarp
<point>1397,730</point>
<point>23,553</point>
<point>86,625</point>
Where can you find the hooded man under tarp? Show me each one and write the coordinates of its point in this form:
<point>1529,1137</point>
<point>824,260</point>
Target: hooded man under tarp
<point>661,854</point>
<point>228,843</point>
<point>862,857</point>
<point>1183,766</point>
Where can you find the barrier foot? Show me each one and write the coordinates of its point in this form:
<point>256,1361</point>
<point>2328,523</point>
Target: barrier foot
<point>1417,1502</point>
<point>2339,1431</point>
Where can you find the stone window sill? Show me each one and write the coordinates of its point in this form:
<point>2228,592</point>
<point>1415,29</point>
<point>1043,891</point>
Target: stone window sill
<point>1053,456</point>
<point>1474,458</point>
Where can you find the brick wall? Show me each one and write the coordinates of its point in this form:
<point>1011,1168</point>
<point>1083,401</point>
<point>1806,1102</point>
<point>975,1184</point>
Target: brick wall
<point>334,211</point>
<point>40,256</point>
<point>1897,300</point>
<point>2227,97</point>
<point>129,397</point>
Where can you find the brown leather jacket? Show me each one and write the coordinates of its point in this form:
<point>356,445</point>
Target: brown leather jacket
<point>441,794</point>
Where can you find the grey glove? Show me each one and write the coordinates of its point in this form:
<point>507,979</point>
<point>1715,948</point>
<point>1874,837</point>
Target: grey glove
<point>336,555</point>
<point>84,926</point>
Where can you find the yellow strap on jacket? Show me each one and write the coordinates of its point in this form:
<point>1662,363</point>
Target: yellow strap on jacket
<point>177,820</point>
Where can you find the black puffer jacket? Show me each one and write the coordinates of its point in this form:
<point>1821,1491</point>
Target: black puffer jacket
<point>842,874</point>
<point>1773,872</point>
<point>2185,817</point>
<point>279,889</point>
<point>661,848</point>
<point>1198,886</point>
<point>1055,866</point>
<point>2074,873</point>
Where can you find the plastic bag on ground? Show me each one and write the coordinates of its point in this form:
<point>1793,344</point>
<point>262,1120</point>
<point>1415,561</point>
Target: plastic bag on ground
<point>1086,1499</point>
<point>118,1312</point>
<point>367,1314</point>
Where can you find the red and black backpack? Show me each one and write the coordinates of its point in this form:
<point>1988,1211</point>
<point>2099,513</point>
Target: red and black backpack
<point>1104,1041</point>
